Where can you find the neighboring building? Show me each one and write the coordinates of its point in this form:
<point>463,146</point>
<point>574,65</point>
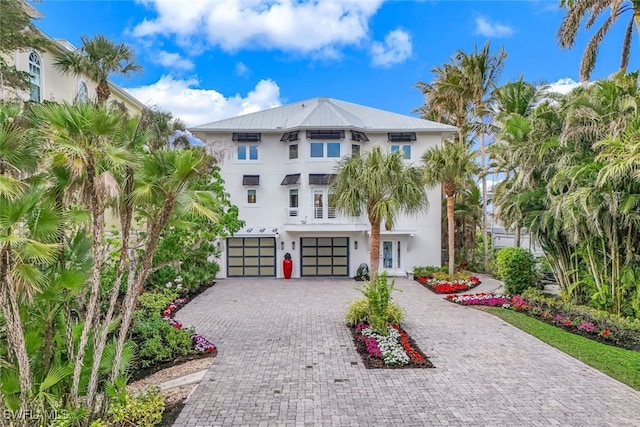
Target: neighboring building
<point>277,164</point>
<point>49,84</point>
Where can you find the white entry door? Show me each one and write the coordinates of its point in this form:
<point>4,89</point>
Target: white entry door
<point>391,257</point>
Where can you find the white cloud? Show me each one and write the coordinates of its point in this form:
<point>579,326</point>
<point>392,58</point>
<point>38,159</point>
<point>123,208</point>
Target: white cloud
<point>196,106</point>
<point>395,49</point>
<point>563,86</point>
<point>242,69</point>
<point>486,28</point>
<point>172,60</point>
<point>306,26</point>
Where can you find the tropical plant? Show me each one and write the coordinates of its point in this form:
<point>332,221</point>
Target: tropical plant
<point>449,166</point>
<point>98,58</point>
<point>577,10</point>
<point>380,185</point>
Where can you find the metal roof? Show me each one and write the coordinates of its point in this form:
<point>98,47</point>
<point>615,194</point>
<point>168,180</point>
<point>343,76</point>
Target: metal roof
<point>319,113</point>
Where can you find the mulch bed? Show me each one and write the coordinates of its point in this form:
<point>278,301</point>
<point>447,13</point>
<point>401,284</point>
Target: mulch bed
<point>371,362</point>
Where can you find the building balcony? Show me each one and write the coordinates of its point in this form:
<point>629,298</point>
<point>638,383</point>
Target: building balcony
<point>319,219</point>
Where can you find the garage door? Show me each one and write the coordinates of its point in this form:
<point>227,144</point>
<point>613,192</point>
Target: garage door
<point>251,256</point>
<point>324,256</point>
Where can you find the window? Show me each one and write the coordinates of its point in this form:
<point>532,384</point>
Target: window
<point>246,137</point>
<point>34,79</point>
<point>333,149</point>
<point>325,134</point>
<point>318,149</point>
<point>355,150</point>
<point>293,202</point>
<point>290,136</point>
<point>252,196</point>
<point>83,92</point>
<point>323,204</point>
<point>402,136</point>
<point>358,136</point>
<point>406,150</point>
<point>293,151</point>
<point>247,152</point>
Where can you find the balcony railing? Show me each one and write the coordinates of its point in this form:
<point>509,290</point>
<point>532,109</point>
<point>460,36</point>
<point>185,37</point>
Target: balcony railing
<point>324,215</point>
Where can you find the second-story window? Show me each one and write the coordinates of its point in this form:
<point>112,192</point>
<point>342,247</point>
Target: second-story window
<point>293,151</point>
<point>325,149</point>
<point>252,198</point>
<point>35,73</point>
<point>293,202</point>
<point>247,152</point>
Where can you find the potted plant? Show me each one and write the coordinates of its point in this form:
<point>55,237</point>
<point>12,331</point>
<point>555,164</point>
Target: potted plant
<point>287,265</point>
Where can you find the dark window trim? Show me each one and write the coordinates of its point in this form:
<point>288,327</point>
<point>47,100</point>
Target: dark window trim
<point>325,134</point>
<point>291,179</point>
<point>359,136</point>
<point>251,180</point>
<point>401,136</point>
<point>290,136</point>
<point>246,137</point>
<point>321,178</point>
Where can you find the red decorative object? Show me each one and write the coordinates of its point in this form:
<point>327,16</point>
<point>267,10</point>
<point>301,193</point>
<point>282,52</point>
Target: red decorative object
<point>287,266</point>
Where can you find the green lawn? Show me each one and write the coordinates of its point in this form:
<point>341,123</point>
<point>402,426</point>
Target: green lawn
<point>618,363</point>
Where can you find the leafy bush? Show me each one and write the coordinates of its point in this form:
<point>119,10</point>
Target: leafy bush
<point>517,269</point>
<point>144,410</point>
<point>428,271</point>
<point>358,312</point>
<point>378,302</point>
<point>458,275</point>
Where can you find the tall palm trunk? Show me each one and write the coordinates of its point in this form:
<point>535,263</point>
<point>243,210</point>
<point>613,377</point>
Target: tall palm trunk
<point>485,240</point>
<point>517,236</point>
<point>100,339</point>
<point>97,229</point>
<point>451,227</point>
<point>374,250</point>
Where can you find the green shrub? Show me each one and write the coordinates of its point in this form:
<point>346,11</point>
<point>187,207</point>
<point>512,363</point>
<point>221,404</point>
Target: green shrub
<point>458,275</point>
<point>358,312</point>
<point>157,340</point>
<point>517,269</point>
<point>144,410</point>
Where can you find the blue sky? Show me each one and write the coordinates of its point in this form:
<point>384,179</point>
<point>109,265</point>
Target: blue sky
<point>208,60</point>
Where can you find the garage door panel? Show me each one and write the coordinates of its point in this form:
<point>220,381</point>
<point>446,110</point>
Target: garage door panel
<point>324,256</point>
<point>251,256</point>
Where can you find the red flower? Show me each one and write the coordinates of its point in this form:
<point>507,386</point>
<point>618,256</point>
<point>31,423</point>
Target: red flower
<point>605,333</point>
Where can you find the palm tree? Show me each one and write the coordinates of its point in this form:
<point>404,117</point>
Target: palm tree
<point>481,71</point>
<point>382,186</point>
<point>97,59</point>
<point>446,98</point>
<point>577,10</point>
<point>450,166</point>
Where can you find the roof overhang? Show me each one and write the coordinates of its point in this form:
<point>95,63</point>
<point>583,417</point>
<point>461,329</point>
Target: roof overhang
<point>410,233</point>
<point>258,231</point>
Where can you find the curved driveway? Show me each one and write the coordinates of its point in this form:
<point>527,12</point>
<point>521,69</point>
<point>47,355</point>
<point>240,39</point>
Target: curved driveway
<point>286,358</point>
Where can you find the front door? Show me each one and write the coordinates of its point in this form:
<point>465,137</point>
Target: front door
<point>391,257</point>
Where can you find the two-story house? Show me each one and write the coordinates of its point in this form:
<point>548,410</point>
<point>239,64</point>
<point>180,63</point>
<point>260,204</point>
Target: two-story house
<point>277,165</point>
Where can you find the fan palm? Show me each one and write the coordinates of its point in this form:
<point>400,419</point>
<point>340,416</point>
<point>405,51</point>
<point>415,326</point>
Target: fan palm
<point>577,10</point>
<point>380,185</point>
<point>97,59</point>
<point>450,166</point>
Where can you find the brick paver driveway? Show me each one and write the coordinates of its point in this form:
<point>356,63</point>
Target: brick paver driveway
<point>286,358</point>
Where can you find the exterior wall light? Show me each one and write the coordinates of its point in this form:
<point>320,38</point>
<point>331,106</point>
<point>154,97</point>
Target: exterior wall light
<point>355,244</point>
<point>282,246</point>
<point>293,246</point>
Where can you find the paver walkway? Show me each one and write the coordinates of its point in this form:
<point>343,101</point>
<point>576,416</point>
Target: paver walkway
<point>286,358</point>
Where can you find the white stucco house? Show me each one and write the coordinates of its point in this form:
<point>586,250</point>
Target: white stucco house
<point>277,164</point>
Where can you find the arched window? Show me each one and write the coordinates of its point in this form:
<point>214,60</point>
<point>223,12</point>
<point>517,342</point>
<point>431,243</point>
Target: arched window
<point>35,72</point>
<point>83,92</point>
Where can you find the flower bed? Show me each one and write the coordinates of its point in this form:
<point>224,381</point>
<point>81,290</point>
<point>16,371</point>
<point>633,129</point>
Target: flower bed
<point>394,350</point>
<point>200,343</point>
<point>605,331</point>
<point>448,286</point>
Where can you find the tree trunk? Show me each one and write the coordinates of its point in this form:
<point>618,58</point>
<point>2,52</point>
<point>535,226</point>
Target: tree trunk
<point>137,278</point>
<point>485,240</point>
<point>374,250</point>
<point>97,228</point>
<point>517,236</point>
<point>103,92</point>
<point>101,335</point>
<point>451,232</point>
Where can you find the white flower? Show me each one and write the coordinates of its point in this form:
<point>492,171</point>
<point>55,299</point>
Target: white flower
<point>169,284</point>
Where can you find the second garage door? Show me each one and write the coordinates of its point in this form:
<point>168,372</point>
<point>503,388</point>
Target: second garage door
<point>324,256</point>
